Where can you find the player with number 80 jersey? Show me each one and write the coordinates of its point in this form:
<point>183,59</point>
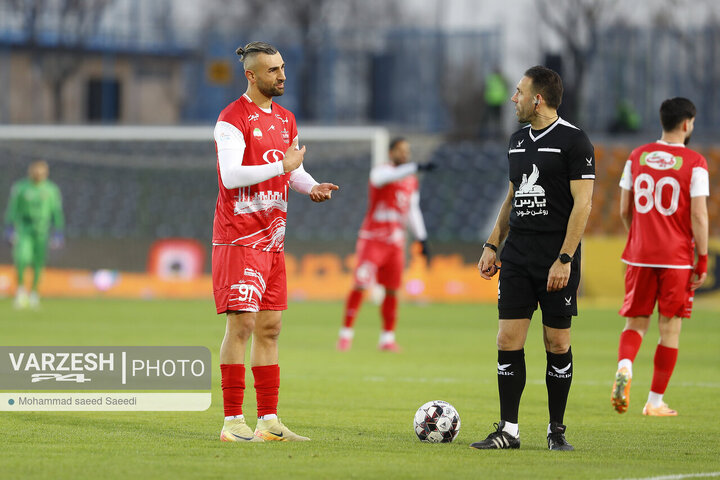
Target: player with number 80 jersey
<point>663,178</point>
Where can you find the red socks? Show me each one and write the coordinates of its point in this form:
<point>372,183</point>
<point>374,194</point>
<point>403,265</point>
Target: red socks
<point>352,306</point>
<point>389,312</point>
<point>233,387</point>
<point>665,359</point>
<point>630,341</point>
<point>267,385</point>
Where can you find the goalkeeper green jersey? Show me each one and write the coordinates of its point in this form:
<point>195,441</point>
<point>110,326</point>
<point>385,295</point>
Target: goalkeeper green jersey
<point>35,207</point>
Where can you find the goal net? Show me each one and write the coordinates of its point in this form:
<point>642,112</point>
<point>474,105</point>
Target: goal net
<point>125,187</point>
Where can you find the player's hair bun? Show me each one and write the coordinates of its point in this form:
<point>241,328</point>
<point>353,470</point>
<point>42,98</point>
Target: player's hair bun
<point>240,51</point>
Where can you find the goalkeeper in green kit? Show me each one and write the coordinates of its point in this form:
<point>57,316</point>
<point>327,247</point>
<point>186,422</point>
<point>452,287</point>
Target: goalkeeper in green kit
<point>34,207</point>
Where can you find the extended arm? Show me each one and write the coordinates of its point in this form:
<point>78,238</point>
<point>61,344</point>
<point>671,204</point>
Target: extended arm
<point>384,174</point>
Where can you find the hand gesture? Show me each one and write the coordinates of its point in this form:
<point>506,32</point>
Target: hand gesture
<point>293,157</point>
<point>322,191</point>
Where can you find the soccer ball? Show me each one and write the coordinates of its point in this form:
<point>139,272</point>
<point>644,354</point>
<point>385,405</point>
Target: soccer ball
<point>437,422</point>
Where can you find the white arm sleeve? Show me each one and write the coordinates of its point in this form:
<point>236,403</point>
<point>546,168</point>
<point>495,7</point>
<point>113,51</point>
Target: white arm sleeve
<point>384,174</point>
<point>415,218</point>
<point>230,148</point>
<point>626,181</point>
<point>699,183</point>
<point>301,181</point>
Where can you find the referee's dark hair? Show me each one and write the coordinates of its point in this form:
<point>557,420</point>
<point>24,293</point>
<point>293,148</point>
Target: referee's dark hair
<point>394,142</point>
<point>547,83</point>
<point>674,111</point>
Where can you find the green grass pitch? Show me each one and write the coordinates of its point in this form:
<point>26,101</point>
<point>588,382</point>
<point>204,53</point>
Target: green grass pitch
<point>358,406</point>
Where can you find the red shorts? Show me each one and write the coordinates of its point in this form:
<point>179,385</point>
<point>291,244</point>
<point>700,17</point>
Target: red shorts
<point>248,280</point>
<point>670,287</point>
<point>379,262</point>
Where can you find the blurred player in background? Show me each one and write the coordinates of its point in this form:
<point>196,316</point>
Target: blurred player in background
<point>34,207</point>
<point>663,205</point>
<point>394,202</point>
<point>258,158</point>
<point>543,216</point>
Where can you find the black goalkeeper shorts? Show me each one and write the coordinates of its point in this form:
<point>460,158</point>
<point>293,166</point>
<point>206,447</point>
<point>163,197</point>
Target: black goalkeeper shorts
<point>526,261</point>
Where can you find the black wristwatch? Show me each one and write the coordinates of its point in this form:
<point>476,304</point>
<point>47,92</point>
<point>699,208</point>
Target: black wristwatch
<point>565,258</point>
<point>490,246</point>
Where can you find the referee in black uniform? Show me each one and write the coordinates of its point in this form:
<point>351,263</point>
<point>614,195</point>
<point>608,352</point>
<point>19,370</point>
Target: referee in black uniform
<point>543,216</point>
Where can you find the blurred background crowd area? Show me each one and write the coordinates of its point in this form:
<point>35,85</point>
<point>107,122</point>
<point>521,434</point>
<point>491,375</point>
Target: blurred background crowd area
<point>438,72</point>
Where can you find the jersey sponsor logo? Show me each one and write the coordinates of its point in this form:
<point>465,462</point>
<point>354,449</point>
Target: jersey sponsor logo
<point>530,196</point>
<point>283,120</point>
<point>253,117</point>
<point>660,160</point>
<point>273,155</point>
<point>257,133</point>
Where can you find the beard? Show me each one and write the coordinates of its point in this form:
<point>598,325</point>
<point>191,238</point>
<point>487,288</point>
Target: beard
<point>271,90</point>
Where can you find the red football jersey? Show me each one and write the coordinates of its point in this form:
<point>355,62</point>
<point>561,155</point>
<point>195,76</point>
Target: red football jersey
<point>255,216</point>
<point>662,178</point>
<point>388,208</point>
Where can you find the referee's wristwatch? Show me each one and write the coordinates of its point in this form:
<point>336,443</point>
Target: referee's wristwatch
<point>565,258</point>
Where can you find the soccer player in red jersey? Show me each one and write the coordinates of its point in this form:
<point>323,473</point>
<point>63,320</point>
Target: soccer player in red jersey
<point>258,158</point>
<point>394,201</point>
<point>663,204</point>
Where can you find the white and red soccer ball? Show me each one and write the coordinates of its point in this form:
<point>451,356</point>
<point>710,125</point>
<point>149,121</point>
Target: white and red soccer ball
<point>437,422</point>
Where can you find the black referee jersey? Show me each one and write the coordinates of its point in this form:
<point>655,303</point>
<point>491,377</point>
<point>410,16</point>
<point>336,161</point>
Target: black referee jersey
<point>542,163</point>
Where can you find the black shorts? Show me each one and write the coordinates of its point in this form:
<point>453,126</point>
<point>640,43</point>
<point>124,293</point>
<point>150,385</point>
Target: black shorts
<point>526,261</point>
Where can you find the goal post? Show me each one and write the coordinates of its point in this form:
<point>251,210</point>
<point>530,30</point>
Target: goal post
<point>125,186</point>
<point>378,137</point>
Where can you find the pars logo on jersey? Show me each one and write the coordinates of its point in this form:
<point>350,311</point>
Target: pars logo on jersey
<point>660,160</point>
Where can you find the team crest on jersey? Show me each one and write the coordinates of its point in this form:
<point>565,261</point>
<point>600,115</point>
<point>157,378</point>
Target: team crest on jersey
<point>285,136</point>
<point>660,160</point>
<point>530,197</point>
<point>257,133</point>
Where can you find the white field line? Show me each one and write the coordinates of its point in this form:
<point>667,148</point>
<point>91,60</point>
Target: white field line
<point>593,383</point>
<point>678,476</point>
